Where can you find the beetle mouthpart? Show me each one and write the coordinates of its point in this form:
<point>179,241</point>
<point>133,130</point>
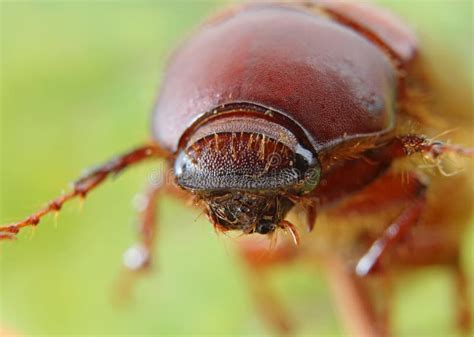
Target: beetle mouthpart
<point>290,228</point>
<point>246,211</point>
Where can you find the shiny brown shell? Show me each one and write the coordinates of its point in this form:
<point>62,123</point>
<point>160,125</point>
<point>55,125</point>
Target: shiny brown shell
<point>334,75</point>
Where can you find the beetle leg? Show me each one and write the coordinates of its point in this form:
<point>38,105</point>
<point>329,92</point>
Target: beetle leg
<point>146,224</point>
<point>138,258</point>
<point>410,144</point>
<point>84,185</point>
<point>388,190</point>
<point>393,234</point>
<point>386,304</point>
<point>462,298</point>
<point>352,299</point>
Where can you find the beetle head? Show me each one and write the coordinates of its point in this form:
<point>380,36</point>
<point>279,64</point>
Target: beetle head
<point>245,168</point>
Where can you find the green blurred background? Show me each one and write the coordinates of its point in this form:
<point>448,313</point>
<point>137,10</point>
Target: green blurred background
<point>78,81</point>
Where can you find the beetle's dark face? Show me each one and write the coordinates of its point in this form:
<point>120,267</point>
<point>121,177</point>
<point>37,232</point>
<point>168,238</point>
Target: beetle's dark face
<point>248,212</point>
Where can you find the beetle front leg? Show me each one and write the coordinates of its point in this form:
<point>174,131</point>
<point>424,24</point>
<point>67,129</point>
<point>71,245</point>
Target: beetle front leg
<point>407,145</point>
<point>84,185</point>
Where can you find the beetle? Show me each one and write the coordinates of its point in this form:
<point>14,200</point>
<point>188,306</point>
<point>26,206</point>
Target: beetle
<point>262,124</point>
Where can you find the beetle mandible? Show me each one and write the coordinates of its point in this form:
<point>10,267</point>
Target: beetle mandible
<point>271,108</point>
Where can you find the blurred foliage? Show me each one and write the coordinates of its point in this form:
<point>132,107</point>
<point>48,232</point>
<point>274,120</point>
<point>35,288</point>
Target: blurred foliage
<point>78,79</point>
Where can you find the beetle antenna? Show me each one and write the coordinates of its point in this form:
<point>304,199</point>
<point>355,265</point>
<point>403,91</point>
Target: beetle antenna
<point>84,185</point>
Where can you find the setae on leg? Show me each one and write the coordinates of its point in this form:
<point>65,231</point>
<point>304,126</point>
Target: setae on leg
<point>84,185</point>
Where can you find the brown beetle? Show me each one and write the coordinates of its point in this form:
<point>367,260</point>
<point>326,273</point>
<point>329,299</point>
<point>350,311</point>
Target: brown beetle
<point>271,108</point>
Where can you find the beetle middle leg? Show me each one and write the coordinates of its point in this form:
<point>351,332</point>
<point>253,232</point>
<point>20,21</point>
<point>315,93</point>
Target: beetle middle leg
<point>399,147</point>
<point>352,299</point>
<point>138,258</point>
<point>390,189</point>
<point>393,234</point>
<point>463,318</point>
<point>362,314</point>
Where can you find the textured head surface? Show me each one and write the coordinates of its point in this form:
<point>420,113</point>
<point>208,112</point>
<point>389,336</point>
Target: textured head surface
<point>246,153</point>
